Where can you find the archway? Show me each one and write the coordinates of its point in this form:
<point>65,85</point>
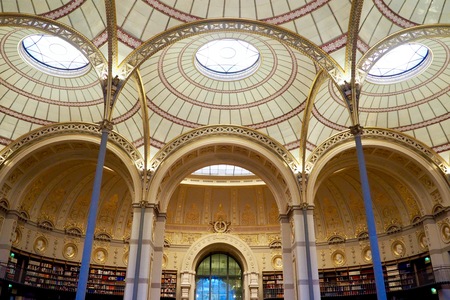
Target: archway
<point>216,243</point>
<point>230,145</point>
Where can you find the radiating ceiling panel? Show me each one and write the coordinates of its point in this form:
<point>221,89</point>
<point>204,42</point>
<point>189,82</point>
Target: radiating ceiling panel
<point>39,99</point>
<point>272,96</point>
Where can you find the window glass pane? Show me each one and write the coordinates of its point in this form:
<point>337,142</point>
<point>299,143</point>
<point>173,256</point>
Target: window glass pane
<point>223,265</point>
<point>227,59</point>
<point>218,277</point>
<point>400,63</point>
<point>203,269</point>
<point>53,55</point>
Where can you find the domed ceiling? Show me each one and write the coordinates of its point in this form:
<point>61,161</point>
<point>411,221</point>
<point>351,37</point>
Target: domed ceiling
<point>285,98</point>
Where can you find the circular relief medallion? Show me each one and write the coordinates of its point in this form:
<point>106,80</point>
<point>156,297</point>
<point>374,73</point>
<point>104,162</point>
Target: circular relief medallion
<point>125,258</point>
<point>16,237</point>
<point>338,258</point>
<point>277,262</point>
<point>70,251</point>
<point>165,260</point>
<point>422,239</point>
<point>398,248</point>
<point>100,255</point>
<point>40,244</point>
<point>445,233</point>
<point>367,254</point>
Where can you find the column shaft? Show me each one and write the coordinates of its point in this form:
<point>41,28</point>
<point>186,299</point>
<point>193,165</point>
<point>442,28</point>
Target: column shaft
<point>155,286</point>
<point>377,267</point>
<point>92,218</point>
<point>288,269</point>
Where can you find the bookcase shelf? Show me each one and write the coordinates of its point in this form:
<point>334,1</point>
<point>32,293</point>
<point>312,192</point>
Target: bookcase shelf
<point>169,284</point>
<point>51,275</point>
<point>106,281</point>
<point>398,276</point>
<point>273,285</point>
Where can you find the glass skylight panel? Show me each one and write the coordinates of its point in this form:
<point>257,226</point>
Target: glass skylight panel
<point>53,55</point>
<point>227,59</point>
<point>400,63</point>
<point>223,170</point>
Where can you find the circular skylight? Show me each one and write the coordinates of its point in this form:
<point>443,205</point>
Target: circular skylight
<point>227,59</point>
<point>400,63</point>
<point>53,55</point>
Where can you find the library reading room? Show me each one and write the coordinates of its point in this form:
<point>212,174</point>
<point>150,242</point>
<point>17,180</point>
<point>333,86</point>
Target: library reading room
<point>224,149</point>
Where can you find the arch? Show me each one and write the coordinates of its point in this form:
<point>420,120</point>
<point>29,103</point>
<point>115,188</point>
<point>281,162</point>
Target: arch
<point>215,242</point>
<point>382,138</point>
<point>170,36</point>
<point>61,30</point>
<point>230,145</point>
<point>16,152</point>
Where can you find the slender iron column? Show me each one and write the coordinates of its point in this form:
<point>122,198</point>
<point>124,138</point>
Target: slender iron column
<point>92,218</point>
<point>376,260</point>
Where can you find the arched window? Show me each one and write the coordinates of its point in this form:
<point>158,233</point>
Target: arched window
<point>219,277</point>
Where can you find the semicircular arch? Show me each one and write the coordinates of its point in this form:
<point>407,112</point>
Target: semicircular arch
<point>225,145</point>
<point>393,141</point>
<point>219,242</point>
<point>285,36</point>
<point>17,152</point>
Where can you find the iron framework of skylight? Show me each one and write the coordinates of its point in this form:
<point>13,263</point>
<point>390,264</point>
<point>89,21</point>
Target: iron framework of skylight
<point>400,63</point>
<point>53,55</point>
<point>227,59</point>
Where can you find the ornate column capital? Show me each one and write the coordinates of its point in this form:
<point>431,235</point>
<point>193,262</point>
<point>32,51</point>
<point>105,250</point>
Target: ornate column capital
<point>106,125</point>
<point>356,130</point>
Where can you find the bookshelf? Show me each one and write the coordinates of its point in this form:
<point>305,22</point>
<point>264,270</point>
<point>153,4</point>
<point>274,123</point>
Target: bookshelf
<point>106,281</point>
<point>51,275</point>
<point>169,284</point>
<point>273,285</point>
<point>407,275</point>
<point>392,278</point>
<point>399,276</point>
<point>11,269</point>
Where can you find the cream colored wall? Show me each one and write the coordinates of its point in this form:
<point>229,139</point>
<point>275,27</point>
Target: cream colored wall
<point>56,243</point>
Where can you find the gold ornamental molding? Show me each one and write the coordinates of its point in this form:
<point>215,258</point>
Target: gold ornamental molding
<point>401,37</point>
<point>171,36</point>
<point>377,133</point>
<point>228,130</point>
<point>74,128</point>
<point>61,30</point>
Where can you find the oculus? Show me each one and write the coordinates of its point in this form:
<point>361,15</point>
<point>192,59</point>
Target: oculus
<point>227,59</point>
<point>53,55</point>
<point>400,63</point>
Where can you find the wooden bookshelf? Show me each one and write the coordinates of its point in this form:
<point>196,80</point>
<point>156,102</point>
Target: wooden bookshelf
<point>11,270</point>
<point>398,275</point>
<point>106,281</point>
<point>51,275</point>
<point>392,278</point>
<point>169,284</point>
<point>273,285</point>
<point>407,275</point>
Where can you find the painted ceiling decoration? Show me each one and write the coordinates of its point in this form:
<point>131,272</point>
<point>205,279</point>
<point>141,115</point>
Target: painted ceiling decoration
<point>294,41</point>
